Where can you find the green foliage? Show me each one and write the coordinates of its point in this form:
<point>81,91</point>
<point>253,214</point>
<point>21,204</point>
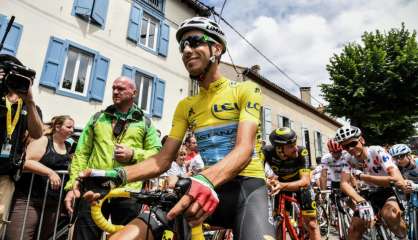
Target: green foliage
<point>375,85</point>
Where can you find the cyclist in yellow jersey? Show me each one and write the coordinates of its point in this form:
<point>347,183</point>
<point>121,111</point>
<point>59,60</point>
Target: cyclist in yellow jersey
<point>231,191</point>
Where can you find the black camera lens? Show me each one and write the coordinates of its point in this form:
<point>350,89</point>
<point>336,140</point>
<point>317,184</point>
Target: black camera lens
<point>18,83</point>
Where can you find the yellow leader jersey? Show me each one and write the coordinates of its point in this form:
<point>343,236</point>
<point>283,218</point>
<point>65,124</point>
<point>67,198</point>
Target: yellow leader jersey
<point>213,115</point>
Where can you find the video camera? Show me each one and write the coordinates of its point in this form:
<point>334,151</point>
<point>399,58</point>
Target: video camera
<point>17,78</point>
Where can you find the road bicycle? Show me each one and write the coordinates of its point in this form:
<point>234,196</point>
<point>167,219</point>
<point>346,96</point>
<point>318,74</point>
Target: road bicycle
<point>289,222</point>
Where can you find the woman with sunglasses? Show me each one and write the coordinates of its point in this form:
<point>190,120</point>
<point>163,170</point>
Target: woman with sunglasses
<point>377,170</point>
<point>408,165</point>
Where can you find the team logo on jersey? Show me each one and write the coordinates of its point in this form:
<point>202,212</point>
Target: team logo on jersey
<point>385,158</point>
<point>304,152</point>
<point>225,107</point>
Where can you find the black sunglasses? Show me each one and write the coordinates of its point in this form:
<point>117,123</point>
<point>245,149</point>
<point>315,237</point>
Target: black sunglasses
<point>349,145</point>
<point>399,156</point>
<point>195,41</point>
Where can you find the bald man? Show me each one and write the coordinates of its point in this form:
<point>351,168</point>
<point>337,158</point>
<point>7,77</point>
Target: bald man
<point>118,136</point>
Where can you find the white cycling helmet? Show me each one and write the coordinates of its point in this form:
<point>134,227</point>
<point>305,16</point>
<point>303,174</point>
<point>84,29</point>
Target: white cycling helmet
<point>208,26</point>
<point>347,132</point>
<point>399,149</point>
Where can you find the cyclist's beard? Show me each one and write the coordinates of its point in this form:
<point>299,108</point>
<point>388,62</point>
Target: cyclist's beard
<point>201,76</point>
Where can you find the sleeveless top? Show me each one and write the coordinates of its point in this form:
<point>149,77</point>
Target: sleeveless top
<point>52,160</point>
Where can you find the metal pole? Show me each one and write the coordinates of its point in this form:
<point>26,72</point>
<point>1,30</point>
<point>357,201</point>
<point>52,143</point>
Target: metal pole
<point>27,206</point>
<point>43,210</point>
<point>59,202</point>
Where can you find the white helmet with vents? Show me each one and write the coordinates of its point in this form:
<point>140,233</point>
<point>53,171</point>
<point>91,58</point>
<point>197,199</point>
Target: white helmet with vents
<point>208,26</point>
<point>347,132</point>
<point>399,149</point>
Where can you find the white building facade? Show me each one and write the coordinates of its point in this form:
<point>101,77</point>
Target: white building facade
<point>78,47</point>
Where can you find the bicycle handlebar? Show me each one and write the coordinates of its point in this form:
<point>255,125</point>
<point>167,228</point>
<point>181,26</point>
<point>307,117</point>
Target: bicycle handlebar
<point>164,199</point>
<point>97,215</point>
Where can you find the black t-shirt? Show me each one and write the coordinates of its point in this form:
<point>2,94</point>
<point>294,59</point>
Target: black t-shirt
<point>17,139</point>
<point>287,170</point>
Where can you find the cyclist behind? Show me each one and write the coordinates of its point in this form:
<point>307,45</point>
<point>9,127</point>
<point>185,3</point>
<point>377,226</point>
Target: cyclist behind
<point>378,170</point>
<point>332,165</point>
<point>224,117</point>
<point>316,174</point>
<point>289,162</point>
<point>408,165</point>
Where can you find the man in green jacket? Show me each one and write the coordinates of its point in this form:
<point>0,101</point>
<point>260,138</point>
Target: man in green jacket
<point>120,135</point>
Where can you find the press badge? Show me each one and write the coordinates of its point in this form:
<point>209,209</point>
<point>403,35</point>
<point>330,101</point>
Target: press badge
<point>6,148</point>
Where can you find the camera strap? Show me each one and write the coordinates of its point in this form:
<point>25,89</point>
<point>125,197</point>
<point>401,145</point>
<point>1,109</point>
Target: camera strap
<point>11,124</point>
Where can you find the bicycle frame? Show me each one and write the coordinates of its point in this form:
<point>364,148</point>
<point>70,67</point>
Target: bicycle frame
<point>412,215</point>
<point>285,223</point>
<point>342,216</point>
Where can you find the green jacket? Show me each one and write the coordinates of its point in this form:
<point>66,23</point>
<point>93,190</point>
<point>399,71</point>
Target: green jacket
<point>96,144</point>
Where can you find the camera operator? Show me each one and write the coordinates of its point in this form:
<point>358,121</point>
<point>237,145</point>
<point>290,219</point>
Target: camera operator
<point>17,110</point>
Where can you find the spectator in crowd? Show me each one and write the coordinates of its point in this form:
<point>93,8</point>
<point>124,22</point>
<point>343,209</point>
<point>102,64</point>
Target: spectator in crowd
<point>118,136</point>
<point>17,110</point>
<point>177,167</point>
<point>194,163</point>
<point>43,157</point>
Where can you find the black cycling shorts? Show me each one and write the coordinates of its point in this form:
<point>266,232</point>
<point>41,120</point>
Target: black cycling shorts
<point>243,207</point>
<point>379,197</point>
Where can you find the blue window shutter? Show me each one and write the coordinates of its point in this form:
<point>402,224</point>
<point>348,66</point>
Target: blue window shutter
<point>98,85</point>
<point>164,36</point>
<point>54,61</point>
<point>13,37</point>
<point>100,11</point>
<point>158,101</point>
<point>128,71</point>
<point>83,8</point>
<point>3,25</point>
<point>134,22</point>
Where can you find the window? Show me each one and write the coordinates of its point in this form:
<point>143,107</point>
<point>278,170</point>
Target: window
<point>144,87</point>
<point>78,66</point>
<point>93,11</point>
<point>267,128</point>
<point>149,31</point>
<point>157,4</point>
<point>194,87</point>
<point>150,90</point>
<point>318,144</point>
<point>11,43</point>
<point>284,122</point>
<point>147,28</point>
<point>75,71</point>
<point>306,143</point>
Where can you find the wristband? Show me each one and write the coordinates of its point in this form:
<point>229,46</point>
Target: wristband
<point>118,175</point>
<point>204,179</point>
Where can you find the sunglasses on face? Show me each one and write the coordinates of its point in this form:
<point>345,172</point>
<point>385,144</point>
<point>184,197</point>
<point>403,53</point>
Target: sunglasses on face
<point>194,41</point>
<point>399,157</point>
<point>349,145</point>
